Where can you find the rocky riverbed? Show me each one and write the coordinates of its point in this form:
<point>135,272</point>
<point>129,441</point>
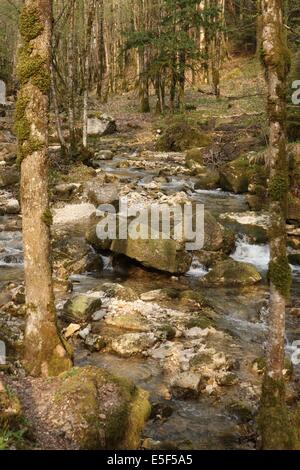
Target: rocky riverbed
<point>189,327</point>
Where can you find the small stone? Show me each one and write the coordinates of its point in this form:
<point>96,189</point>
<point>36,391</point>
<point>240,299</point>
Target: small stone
<point>71,330</point>
<point>81,307</point>
<point>133,343</point>
<point>12,206</point>
<point>95,342</point>
<point>186,385</point>
<point>85,332</point>
<point>227,379</point>
<point>97,316</point>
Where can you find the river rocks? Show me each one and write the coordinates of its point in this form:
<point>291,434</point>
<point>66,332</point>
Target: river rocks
<point>102,125</point>
<point>231,273</point>
<point>180,137</point>
<point>207,178</point>
<point>194,155</point>
<point>294,258</point>
<point>160,295</point>
<point>65,191</point>
<point>72,255</point>
<point>129,321</point>
<point>168,255</point>
<point>164,255</point>
<point>234,176</point>
<point>80,307</point>
<point>71,330</point>
<point>87,409</point>
<point>8,176</point>
<point>8,205</point>
<point>253,224</point>
<point>133,343</point>
<point>215,235</point>
<point>95,343</point>
<point>186,385</point>
<point>119,292</point>
<point>12,332</point>
<point>12,206</point>
<point>103,155</point>
<point>73,214</point>
<point>99,193</point>
<point>227,379</point>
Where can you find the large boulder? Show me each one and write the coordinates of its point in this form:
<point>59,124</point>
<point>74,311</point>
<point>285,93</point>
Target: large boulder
<point>88,409</point>
<point>164,255</point>
<point>234,176</point>
<point>73,214</point>
<point>216,237</point>
<point>207,178</point>
<point>181,136</point>
<point>253,224</point>
<point>194,155</point>
<point>231,273</point>
<point>101,125</point>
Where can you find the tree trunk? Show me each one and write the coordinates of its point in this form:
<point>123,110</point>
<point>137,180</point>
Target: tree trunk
<point>57,115</point>
<point>45,354</point>
<point>89,10</point>
<point>277,432</point>
<point>71,77</point>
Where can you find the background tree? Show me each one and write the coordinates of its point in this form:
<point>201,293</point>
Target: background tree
<point>45,353</point>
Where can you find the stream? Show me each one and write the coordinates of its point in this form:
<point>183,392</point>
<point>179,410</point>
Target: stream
<point>206,423</point>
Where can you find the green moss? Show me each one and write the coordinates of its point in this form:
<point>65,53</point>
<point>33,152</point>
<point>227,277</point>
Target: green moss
<point>279,186</point>
<point>139,412</point>
<point>201,321</point>
<point>48,217</point>
<point>30,24</point>
<point>34,69</point>
<point>22,126</point>
<point>193,296</point>
<point>28,148</point>
<point>280,275</point>
<point>182,136</point>
<point>115,420</point>
<point>279,57</point>
<point>275,423</point>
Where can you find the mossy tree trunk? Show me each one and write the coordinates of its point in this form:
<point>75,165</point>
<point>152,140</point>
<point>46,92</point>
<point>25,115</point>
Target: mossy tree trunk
<point>277,432</point>
<point>45,354</point>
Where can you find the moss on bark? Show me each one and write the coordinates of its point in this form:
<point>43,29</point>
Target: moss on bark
<point>280,275</point>
<point>277,428</point>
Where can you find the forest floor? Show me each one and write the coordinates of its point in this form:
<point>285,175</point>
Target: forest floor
<point>197,349</point>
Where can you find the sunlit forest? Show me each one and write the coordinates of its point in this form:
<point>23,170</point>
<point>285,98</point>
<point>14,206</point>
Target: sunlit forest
<point>150,225</point>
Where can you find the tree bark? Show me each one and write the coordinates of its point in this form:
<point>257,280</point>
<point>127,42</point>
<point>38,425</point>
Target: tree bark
<point>45,354</point>
<point>277,432</point>
<point>89,10</point>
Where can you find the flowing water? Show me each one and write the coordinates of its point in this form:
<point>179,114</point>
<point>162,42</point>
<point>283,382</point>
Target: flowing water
<point>205,423</point>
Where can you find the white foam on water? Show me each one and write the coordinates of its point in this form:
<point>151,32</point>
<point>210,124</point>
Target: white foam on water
<point>258,255</point>
<point>197,269</point>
